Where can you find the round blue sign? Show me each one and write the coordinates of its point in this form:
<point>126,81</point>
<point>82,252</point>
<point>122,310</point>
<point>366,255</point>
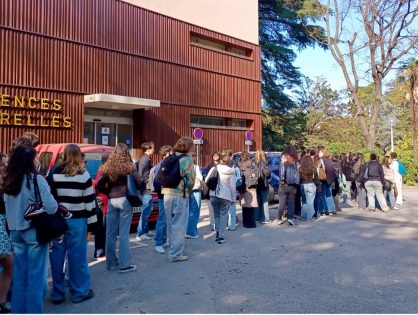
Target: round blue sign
<point>198,133</point>
<point>248,136</point>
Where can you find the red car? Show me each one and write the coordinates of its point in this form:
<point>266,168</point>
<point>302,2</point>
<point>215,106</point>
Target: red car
<point>48,154</point>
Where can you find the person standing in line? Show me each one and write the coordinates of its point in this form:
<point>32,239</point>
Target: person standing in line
<point>328,182</point>
<point>223,196</point>
<point>195,202</point>
<point>6,252</point>
<point>398,179</point>
<point>318,205</point>
<point>30,268</point>
<point>347,171</point>
<point>100,233</point>
<point>289,179</point>
<point>358,170</point>
<point>308,175</point>
<point>214,162</point>
<point>176,201</point>
<point>338,183</point>
<point>144,166</point>
<point>374,177</point>
<point>248,197</point>
<point>262,214</point>
<point>72,187</point>
<point>161,226</point>
<point>389,172</point>
<point>113,183</point>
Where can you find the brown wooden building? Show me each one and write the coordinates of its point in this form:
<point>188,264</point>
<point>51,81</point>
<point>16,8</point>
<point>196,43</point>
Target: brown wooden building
<point>106,71</point>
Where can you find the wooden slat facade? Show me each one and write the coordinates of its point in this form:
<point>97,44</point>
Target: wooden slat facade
<point>64,49</point>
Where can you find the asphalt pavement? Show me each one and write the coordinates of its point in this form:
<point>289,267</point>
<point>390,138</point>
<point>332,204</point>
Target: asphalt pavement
<point>354,262</point>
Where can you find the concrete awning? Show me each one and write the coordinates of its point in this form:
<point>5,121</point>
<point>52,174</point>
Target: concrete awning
<point>109,101</point>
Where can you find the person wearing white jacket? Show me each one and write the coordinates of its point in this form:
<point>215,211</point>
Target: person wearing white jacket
<point>223,196</point>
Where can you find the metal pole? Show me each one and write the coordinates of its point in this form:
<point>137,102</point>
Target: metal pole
<point>197,154</point>
<point>391,137</point>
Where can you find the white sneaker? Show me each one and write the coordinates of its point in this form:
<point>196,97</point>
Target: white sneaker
<point>143,237</point>
<point>395,208</point>
<point>192,236</point>
<point>166,244</point>
<point>151,234</point>
<point>159,249</point>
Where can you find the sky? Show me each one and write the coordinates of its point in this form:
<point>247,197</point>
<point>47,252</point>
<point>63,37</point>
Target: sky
<point>316,62</point>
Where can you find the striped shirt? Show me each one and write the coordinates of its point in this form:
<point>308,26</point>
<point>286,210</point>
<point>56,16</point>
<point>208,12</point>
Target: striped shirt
<point>75,193</point>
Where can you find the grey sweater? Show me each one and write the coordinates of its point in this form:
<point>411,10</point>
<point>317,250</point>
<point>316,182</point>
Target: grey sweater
<point>16,205</point>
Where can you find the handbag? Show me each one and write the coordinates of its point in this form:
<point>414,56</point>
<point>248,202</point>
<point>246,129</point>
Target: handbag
<point>131,192</point>
<point>322,175</point>
<point>48,226</point>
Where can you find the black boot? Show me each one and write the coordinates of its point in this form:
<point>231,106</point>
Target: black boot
<point>217,237</point>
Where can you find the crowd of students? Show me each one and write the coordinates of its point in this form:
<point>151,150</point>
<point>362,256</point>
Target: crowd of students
<point>311,184</point>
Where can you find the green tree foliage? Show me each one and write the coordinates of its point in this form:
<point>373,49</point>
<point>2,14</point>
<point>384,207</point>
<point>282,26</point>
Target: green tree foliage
<point>284,28</point>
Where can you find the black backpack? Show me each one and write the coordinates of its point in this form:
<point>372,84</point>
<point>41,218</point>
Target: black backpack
<point>213,179</point>
<point>169,174</point>
<point>252,174</point>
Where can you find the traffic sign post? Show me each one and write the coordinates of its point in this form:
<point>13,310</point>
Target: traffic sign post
<point>198,141</point>
<point>248,139</point>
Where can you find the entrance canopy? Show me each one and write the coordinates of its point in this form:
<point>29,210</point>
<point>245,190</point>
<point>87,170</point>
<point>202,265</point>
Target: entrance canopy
<point>109,101</point>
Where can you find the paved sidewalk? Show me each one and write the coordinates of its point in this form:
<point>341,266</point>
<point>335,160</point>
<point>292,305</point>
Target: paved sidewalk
<point>355,262</point>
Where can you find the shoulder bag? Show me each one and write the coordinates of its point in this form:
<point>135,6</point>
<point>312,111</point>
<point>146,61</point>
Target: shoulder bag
<point>48,226</point>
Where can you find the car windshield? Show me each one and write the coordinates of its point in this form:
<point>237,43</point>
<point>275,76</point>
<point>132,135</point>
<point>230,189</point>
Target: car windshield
<point>93,162</point>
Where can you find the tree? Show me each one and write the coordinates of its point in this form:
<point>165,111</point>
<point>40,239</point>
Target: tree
<point>381,30</point>
<point>409,76</point>
<point>284,27</point>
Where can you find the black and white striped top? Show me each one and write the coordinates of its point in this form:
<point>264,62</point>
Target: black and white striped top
<point>76,193</point>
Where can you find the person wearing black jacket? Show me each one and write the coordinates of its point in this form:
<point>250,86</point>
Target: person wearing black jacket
<point>374,177</point>
<point>144,165</point>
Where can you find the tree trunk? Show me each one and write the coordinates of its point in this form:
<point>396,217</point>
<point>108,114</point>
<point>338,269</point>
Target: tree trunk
<point>414,117</point>
<point>368,137</point>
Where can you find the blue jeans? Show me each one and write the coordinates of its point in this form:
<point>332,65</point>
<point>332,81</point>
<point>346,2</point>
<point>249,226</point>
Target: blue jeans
<point>308,192</point>
<point>195,202</point>
<point>232,221</point>
<point>118,221</point>
<point>161,227</point>
<point>145,212</point>
<point>327,198</point>
<point>30,270</point>
<point>262,211</point>
<point>177,215</point>
<point>318,205</point>
<point>74,245</point>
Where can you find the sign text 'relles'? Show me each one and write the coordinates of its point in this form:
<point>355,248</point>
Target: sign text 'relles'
<point>32,112</point>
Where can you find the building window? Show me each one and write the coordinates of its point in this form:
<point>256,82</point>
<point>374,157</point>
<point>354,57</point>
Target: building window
<point>220,46</point>
<point>223,122</point>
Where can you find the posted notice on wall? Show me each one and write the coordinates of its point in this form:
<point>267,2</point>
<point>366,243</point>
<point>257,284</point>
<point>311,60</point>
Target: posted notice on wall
<point>105,140</point>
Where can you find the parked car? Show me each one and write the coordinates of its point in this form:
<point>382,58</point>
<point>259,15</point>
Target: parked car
<point>49,156</point>
<point>273,160</point>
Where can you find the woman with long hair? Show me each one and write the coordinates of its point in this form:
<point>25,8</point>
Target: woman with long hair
<point>262,214</point>
<point>30,262</point>
<point>358,170</point>
<point>390,173</point>
<point>328,181</point>
<point>6,252</point>
<point>308,175</point>
<point>72,187</point>
<point>248,197</point>
<point>113,183</point>
<point>318,204</point>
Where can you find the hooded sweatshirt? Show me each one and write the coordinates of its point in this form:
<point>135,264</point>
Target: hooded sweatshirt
<point>226,184</point>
